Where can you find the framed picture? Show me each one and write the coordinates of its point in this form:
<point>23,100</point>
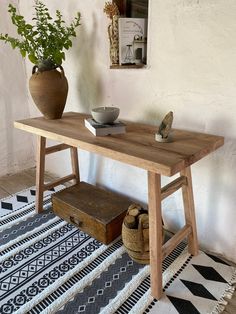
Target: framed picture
<point>132,40</point>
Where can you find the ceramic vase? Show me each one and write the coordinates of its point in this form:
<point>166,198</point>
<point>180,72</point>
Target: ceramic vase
<point>49,91</point>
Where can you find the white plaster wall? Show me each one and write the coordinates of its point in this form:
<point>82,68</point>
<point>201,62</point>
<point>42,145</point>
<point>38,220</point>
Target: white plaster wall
<point>192,71</point>
<point>17,150</point>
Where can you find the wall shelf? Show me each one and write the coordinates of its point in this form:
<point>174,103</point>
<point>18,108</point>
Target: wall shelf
<point>133,66</point>
<point>132,34</point>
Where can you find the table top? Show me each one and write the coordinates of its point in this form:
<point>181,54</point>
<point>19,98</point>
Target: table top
<point>136,147</point>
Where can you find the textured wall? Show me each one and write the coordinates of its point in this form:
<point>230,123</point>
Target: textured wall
<point>17,150</point>
<point>192,62</point>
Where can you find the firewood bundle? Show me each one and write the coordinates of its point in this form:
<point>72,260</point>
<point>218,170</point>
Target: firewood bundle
<point>135,233</point>
<point>135,215</point>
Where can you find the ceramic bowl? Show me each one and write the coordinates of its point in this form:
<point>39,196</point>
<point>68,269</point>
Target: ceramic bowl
<point>105,115</point>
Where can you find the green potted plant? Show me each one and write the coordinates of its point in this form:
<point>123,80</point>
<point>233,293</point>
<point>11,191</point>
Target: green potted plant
<point>44,42</point>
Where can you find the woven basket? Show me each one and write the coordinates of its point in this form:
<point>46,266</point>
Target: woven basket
<point>136,242</point>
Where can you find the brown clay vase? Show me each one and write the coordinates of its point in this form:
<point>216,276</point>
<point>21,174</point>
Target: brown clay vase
<point>49,91</point>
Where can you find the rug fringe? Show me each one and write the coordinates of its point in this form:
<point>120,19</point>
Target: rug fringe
<point>221,305</point>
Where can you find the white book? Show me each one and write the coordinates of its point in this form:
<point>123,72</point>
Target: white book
<point>99,129</point>
<point>132,40</point>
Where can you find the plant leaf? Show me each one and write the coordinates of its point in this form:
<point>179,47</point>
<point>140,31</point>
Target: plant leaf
<point>23,53</point>
<point>32,58</point>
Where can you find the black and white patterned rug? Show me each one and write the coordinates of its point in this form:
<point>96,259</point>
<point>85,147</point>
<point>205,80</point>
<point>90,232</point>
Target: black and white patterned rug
<point>48,266</point>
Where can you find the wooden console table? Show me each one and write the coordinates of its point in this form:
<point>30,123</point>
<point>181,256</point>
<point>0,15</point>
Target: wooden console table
<point>136,147</point>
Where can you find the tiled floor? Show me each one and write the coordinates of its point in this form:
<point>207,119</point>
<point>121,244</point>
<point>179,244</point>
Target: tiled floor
<point>11,184</point>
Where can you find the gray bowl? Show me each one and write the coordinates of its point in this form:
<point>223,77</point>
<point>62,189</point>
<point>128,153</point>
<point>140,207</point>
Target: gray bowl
<point>105,115</point>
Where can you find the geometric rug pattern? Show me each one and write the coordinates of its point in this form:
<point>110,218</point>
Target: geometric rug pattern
<point>49,266</point>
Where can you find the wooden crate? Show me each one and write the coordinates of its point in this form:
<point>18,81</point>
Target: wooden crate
<point>98,212</point>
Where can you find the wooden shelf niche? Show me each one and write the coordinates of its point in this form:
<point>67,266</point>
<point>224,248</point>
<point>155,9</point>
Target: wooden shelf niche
<point>134,9</point>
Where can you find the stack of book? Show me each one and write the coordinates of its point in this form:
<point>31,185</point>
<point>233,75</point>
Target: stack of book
<point>99,129</point>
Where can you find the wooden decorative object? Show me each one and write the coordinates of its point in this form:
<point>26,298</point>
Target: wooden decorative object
<point>163,134</point>
<point>112,12</point>
<point>98,212</point>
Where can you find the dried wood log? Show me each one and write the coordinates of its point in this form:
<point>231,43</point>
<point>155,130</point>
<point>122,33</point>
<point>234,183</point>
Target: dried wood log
<point>144,220</point>
<point>134,205</point>
<point>130,222</point>
<point>134,212</point>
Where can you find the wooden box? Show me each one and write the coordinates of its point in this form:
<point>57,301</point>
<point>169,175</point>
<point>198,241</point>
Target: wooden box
<point>98,212</point>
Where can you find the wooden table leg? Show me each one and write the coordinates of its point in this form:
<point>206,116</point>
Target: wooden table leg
<point>40,168</point>
<point>188,201</point>
<point>75,164</point>
<point>155,233</point>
